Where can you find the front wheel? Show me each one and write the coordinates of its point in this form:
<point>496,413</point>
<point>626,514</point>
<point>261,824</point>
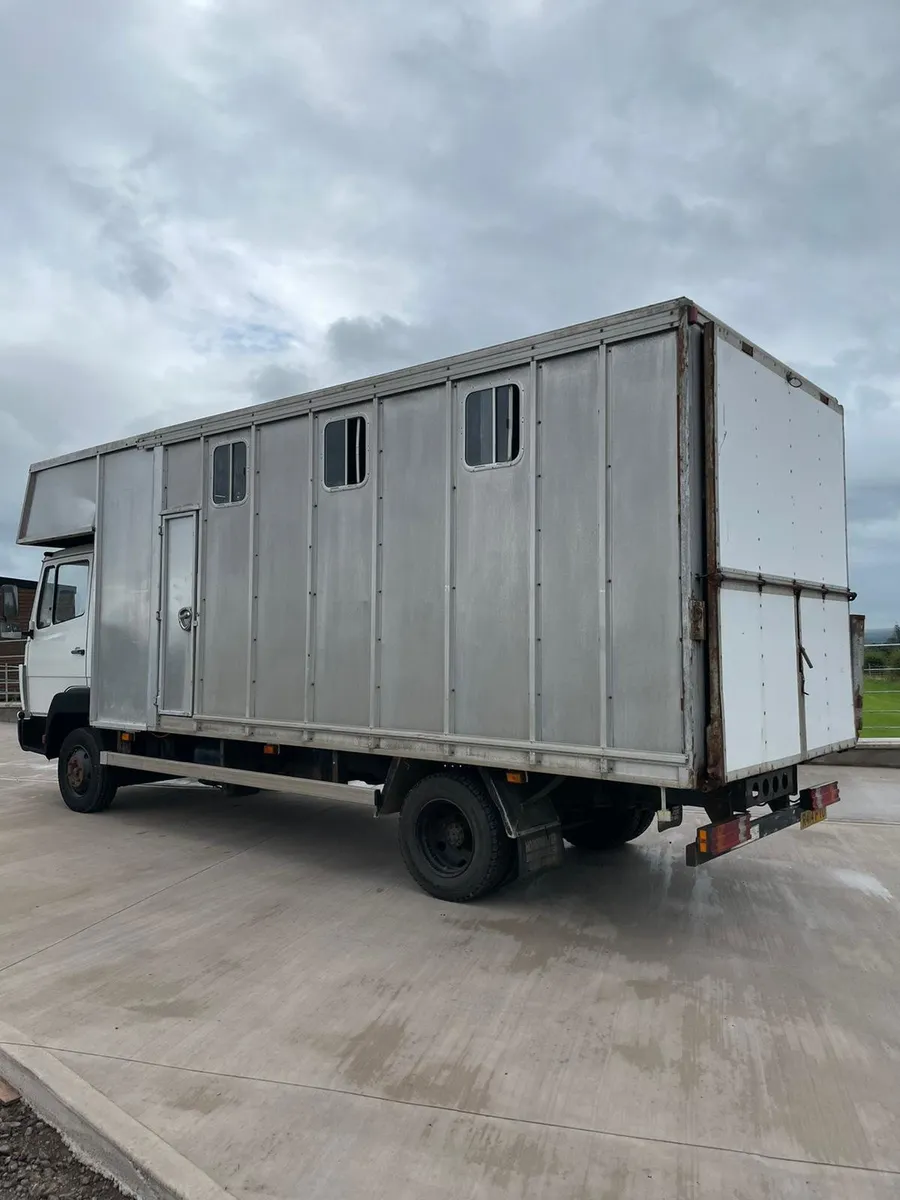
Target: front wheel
<point>610,828</point>
<point>452,838</point>
<point>85,784</point>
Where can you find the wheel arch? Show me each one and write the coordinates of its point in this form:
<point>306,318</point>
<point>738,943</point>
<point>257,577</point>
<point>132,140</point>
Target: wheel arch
<point>68,710</point>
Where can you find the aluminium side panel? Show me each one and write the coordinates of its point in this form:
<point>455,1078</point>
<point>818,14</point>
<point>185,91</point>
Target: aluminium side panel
<point>490,596</point>
<point>124,644</point>
<point>183,475</point>
<point>223,629</point>
<point>413,533</point>
<point>342,589</point>
<point>571,503</point>
<point>282,500</point>
<point>646,670</point>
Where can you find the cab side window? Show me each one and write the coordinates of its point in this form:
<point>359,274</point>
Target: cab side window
<point>64,594</point>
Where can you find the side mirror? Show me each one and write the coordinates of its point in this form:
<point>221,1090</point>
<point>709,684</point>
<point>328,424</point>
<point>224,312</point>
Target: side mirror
<point>10,602</point>
<point>9,614</point>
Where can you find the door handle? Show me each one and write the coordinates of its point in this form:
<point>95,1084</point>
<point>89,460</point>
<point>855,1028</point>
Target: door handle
<point>185,618</point>
<point>78,650</point>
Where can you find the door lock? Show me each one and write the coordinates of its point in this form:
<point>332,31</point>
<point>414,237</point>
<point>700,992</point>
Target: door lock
<point>78,650</point>
<point>185,617</point>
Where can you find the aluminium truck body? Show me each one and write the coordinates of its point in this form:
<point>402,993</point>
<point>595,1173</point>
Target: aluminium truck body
<point>613,552</point>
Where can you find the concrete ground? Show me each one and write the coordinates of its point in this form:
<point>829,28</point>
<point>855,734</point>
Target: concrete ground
<point>259,982</point>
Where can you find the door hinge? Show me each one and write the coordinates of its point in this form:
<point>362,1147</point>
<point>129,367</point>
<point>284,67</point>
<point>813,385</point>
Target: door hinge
<point>698,621</point>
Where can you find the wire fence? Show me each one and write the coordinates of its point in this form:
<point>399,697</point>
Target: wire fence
<point>881,690</point>
<point>9,684</point>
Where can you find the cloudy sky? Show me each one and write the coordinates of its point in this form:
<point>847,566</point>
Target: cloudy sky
<point>203,202</point>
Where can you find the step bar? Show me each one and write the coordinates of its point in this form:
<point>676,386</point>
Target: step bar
<point>320,788</point>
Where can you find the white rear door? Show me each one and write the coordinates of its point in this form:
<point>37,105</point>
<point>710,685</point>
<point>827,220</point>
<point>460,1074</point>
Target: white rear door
<point>779,570</point>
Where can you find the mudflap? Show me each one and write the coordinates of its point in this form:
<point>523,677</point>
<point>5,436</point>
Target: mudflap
<point>531,819</point>
<point>540,851</point>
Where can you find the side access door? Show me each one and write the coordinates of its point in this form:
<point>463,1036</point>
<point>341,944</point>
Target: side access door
<point>178,614</point>
<point>778,595</point>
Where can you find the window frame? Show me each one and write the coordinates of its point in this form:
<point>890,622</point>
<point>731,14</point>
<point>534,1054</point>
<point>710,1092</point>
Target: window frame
<point>230,444</point>
<point>471,388</point>
<point>333,420</point>
<point>49,573</point>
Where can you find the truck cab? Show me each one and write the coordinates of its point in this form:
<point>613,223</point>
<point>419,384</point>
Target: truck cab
<point>56,677</point>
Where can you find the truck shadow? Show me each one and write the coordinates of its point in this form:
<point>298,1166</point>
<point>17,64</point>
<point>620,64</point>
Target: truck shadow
<point>642,894</point>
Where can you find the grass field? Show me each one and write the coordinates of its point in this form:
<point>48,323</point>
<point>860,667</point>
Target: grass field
<point>881,707</point>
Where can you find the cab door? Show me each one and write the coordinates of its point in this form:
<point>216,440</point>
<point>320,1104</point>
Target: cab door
<point>57,655</point>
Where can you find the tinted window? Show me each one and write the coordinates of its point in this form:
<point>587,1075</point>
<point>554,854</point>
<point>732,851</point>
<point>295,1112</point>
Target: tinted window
<point>221,474</point>
<point>238,471</point>
<point>229,473</point>
<point>493,426</point>
<point>335,454</point>
<point>479,426</point>
<point>506,423</point>
<point>345,453</point>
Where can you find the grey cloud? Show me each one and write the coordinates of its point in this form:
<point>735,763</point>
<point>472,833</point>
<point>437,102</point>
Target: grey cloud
<point>873,502</point>
<point>278,380</point>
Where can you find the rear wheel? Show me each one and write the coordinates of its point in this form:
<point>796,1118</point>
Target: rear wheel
<point>452,838</point>
<point>84,783</point>
<point>610,828</point>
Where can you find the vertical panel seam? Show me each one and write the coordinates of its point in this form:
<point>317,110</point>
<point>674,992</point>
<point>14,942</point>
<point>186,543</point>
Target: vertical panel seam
<point>375,459</point>
<point>154,681</point>
<point>605,556</point>
<point>533,582</point>
<point>94,631</point>
<point>198,666</point>
<point>449,534</point>
<point>309,660</point>
<point>253,572</point>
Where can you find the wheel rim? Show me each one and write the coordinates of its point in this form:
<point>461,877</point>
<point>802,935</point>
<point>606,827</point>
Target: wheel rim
<point>79,770</point>
<point>445,837</point>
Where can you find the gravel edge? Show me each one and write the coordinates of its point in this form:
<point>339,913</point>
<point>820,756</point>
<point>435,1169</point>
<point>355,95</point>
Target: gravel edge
<point>97,1131</point>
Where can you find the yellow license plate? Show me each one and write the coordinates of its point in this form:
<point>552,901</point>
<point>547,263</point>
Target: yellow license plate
<point>812,817</point>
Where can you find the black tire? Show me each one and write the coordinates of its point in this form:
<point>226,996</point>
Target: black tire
<point>84,783</point>
<point>452,839</point>
<point>610,828</point>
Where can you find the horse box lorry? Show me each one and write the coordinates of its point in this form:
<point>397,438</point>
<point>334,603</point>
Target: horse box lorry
<point>540,592</point>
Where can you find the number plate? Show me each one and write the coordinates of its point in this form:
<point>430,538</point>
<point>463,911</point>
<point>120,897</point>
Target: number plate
<point>812,817</point>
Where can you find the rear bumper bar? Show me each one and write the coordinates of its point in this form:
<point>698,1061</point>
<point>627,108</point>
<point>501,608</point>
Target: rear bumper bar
<point>724,836</point>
